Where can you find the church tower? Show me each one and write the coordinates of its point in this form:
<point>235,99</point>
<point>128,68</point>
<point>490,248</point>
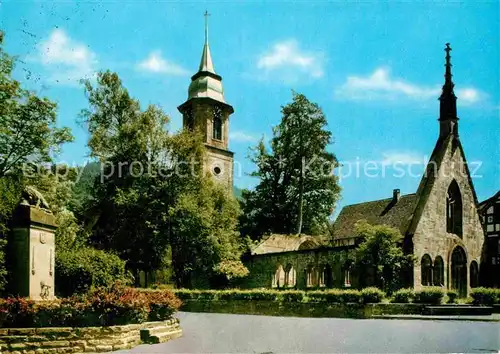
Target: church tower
<point>207,111</point>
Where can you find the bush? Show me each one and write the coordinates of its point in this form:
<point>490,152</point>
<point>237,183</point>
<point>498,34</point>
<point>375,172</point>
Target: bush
<point>372,295</point>
<point>334,296</point>
<point>429,295</point>
<point>485,296</point>
<point>292,296</point>
<point>452,296</point>
<point>81,269</point>
<point>116,305</point>
<point>403,296</point>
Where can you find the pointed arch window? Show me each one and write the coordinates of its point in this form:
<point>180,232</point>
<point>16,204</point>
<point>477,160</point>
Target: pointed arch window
<point>217,124</point>
<point>454,210</point>
<point>426,270</point>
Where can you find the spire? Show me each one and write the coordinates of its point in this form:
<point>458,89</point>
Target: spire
<point>448,105</point>
<point>448,101</point>
<point>206,59</point>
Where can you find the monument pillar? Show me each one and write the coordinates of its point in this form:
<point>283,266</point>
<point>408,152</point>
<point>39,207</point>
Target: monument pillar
<point>32,249</point>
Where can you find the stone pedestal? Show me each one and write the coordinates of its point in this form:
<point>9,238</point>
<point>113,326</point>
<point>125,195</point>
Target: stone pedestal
<point>32,253</point>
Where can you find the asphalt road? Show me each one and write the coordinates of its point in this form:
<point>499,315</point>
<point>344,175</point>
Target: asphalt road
<point>220,333</point>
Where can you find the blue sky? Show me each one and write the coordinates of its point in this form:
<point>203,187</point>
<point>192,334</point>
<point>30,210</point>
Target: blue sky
<point>374,68</point>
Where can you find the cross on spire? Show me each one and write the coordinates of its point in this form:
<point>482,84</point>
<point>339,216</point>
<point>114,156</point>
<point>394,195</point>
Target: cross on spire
<point>206,14</point>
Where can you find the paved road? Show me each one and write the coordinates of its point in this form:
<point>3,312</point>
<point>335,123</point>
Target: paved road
<point>219,333</point>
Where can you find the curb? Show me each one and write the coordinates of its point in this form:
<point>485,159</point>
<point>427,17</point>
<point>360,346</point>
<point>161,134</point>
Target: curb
<point>435,318</point>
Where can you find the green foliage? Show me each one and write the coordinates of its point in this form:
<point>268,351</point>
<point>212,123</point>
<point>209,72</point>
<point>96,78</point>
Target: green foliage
<point>335,296</point>
<point>231,269</point>
<point>151,195</point>
<point>452,296</point>
<point>372,295</point>
<point>111,306</point>
<point>80,269</point>
<point>429,295</point>
<point>381,253</point>
<point>297,170</point>
<point>485,296</point>
<point>292,295</point>
<point>27,123</point>
<point>10,193</point>
<point>403,296</point>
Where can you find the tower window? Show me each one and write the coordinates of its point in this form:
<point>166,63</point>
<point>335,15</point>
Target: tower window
<point>217,124</point>
<point>454,210</point>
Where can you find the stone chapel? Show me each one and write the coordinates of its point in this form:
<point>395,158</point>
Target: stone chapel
<point>440,224</point>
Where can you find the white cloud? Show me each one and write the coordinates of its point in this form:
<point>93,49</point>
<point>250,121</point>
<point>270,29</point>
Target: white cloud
<point>243,137</point>
<point>288,61</point>
<point>155,63</point>
<point>67,60</point>
<point>381,86</point>
<point>402,158</point>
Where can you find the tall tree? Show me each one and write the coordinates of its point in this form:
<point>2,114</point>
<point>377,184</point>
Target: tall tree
<point>151,193</point>
<point>28,129</point>
<point>297,189</point>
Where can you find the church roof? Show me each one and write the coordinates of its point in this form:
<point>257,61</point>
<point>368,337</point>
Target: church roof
<point>397,214</point>
<point>276,243</point>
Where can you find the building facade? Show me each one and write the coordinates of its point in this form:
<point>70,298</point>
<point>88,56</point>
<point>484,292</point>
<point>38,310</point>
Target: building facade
<point>490,217</point>
<point>206,111</point>
<point>440,223</point>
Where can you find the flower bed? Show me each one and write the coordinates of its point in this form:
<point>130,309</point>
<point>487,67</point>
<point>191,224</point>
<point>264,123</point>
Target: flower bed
<point>116,305</point>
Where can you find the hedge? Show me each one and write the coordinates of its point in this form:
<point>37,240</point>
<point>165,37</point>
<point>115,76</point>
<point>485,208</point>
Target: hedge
<point>429,295</point>
<point>368,295</point>
<point>485,296</point>
<point>403,296</point>
<point>81,269</point>
<point>116,305</point>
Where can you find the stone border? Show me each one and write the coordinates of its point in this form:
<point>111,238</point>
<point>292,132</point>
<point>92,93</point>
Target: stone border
<point>86,339</point>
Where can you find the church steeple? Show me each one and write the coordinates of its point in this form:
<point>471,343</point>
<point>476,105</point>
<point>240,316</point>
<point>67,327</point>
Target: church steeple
<point>206,63</point>
<point>207,112</point>
<point>448,118</point>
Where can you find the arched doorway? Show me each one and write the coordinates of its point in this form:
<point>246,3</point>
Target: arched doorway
<point>459,271</point>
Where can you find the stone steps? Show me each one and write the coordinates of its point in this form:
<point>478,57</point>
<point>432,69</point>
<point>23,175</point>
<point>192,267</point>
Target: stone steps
<point>458,310</point>
<point>157,335</point>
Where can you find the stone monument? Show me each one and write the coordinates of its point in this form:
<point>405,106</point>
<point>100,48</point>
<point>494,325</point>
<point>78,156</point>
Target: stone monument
<point>32,248</point>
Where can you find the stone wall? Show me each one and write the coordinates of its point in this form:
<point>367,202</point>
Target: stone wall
<point>431,236</point>
<point>263,268</point>
<point>85,339</point>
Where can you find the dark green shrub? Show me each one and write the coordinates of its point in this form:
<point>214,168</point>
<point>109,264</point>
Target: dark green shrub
<point>350,296</point>
<point>452,296</point>
<point>187,294</point>
<point>372,295</point>
<point>429,295</point>
<point>334,296</point>
<point>270,295</point>
<point>292,295</point>
<point>403,296</point>
<point>485,296</point>
<point>81,269</point>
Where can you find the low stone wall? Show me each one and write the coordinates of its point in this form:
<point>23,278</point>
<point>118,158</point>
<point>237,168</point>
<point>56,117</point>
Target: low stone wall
<point>300,309</point>
<point>85,339</point>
